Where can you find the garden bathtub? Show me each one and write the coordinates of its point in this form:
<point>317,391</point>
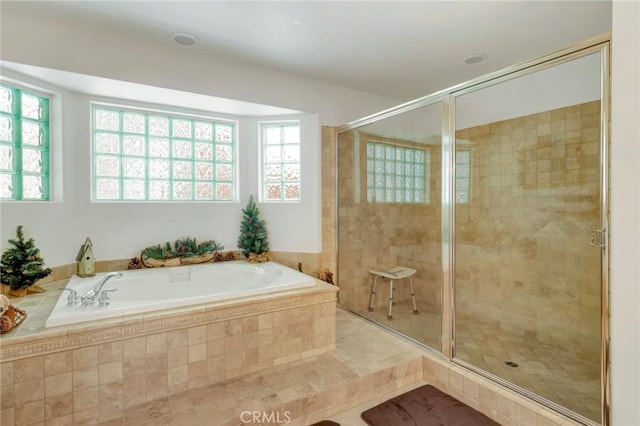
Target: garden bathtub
<point>147,290</point>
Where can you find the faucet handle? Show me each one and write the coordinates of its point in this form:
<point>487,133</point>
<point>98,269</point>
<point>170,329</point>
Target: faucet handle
<point>73,298</point>
<point>104,299</point>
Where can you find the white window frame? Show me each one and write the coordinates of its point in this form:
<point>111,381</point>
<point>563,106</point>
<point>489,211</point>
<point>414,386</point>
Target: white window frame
<point>51,149</point>
<point>264,164</point>
<point>171,115</point>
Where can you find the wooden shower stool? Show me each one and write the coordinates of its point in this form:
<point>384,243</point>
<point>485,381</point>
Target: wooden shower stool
<point>396,273</point>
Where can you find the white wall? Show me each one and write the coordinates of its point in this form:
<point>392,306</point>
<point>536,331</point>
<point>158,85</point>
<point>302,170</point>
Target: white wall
<point>625,214</point>
<point>120,230</point>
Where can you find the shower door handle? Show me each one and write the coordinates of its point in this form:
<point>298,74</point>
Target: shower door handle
<point>598,238</point>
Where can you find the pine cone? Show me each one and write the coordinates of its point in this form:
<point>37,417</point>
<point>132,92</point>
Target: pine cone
<point>135,263</point>
<point>5,324</point>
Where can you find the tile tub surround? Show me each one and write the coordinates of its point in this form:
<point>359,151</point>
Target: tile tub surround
<point>93,372</point>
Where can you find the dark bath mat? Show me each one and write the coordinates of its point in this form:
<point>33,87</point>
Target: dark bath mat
<point>425,406</point>
<point>326,423</point>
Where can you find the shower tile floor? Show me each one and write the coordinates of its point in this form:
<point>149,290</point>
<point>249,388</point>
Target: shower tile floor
<point>552,372</point>
<point>410,324</point>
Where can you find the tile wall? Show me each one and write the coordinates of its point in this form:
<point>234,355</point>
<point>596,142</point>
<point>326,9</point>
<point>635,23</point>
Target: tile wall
<point>383,235</point>
<point>524,262</point>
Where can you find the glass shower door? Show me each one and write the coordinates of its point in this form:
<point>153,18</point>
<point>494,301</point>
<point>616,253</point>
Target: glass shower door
<point>389,215</point>
<point>528,190</point>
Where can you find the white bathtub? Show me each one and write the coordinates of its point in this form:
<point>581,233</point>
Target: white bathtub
<point>146,290</point>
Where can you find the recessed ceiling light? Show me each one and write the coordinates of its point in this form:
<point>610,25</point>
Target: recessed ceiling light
<point>185,39</point>
<point>474,59</point>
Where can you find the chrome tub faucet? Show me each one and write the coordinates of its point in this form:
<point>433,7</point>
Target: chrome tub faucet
<point>96,293</point>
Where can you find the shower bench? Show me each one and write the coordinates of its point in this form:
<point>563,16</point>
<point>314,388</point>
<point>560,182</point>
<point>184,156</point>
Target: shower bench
<point>393,274</point>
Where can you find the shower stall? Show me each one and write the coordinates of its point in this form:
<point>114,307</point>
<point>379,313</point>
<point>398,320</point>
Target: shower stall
<point>495,193</point>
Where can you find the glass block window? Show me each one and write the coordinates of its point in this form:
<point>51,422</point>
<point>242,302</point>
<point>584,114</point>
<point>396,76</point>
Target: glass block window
<point>149,156</point>
<point>280,161</point>
<point>463,176</point>
<point>397,174</point>
<point>24,145</point>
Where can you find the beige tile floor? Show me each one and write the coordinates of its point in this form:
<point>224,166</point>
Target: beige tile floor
<point>566,378</point>
<point>366,361</point>
<point>363,349</point>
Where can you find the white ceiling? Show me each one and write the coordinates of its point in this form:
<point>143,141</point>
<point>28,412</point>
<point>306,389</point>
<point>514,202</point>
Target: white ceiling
<point>402,50</point>
<point>109,88</point>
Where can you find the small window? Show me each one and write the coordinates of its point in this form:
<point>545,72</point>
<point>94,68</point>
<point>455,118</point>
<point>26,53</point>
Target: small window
<point>143,155</point>
<point>463,176</point>
<point>397,174</point>
<point>281,161</point>
<point>24,145</point>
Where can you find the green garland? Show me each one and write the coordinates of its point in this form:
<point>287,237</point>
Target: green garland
<point>182,247</point>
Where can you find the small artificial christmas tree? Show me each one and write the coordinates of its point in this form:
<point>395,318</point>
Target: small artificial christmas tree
<point>253,231</point>
<point>21,265</point>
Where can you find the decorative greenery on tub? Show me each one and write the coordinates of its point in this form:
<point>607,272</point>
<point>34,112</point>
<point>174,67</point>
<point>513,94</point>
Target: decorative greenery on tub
<point>182,247</point>
<point>21,264</point>
<point>185,251</point>
<point>253,240</point>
